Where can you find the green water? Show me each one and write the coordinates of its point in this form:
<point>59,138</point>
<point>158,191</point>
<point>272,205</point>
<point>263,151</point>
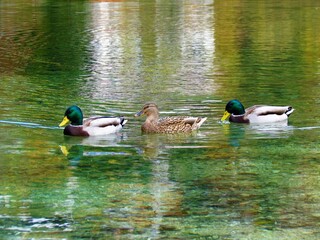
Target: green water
<point>223,182</point>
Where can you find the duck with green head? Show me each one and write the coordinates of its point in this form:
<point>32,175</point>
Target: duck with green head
<point>92,126</point>
<point>236,112</point>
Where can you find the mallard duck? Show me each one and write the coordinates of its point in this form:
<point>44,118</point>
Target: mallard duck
<point>93,126</point>
<point>255,114</point>
<point>178,124</point>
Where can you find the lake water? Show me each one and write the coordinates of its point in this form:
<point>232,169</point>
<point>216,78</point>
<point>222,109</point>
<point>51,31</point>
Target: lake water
<point>226,181</point>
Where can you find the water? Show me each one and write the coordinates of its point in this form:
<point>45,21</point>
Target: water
<point>226,181</point>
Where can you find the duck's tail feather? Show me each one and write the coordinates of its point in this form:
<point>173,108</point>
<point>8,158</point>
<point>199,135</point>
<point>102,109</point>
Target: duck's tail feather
<point>123,121</point>
<point>289,111</point>
<point>199,122</point>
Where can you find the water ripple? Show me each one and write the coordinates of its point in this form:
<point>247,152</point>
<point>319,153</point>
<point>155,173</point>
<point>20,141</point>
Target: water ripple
<point>28,124</point>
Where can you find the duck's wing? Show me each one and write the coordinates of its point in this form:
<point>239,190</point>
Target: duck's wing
<point>260,110</point>
<point>179,124</point>
<point>167,121</point>
<point>104,121</point>
<point>267,114</point>
<point>195,122</point>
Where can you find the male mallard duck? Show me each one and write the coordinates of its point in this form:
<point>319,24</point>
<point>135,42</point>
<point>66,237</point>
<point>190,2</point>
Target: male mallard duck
<point>178,124</point>
<point>92,126</point>
<point>255,114</point>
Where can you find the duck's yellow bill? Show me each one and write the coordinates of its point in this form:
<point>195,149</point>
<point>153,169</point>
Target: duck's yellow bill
<point>64,150</point>
<point>65,121</point>
<point>225,116</point>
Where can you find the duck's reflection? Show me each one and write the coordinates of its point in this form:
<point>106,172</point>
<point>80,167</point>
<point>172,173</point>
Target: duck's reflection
<point>73,153</point>
<point>167,197</point>
<point>86,159</point>
<point>97,141</point>
<point>75,148</point>
<point>274,130</point>
<point>140,181</point>
<point>154,145</point>
<point>237,132</point>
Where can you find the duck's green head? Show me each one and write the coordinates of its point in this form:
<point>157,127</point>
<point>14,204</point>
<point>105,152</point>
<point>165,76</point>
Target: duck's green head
<point>233,107</point>
<point>74,115</point>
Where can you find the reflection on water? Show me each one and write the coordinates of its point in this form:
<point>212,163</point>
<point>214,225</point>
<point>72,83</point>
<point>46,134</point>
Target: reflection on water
<point>119,56</point>
<point>226,181</point>
<point>26,124</point>
<point>236,133</point>
<point>280,130</point>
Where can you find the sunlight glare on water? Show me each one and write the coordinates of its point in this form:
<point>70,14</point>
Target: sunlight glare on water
<point>119,57</point>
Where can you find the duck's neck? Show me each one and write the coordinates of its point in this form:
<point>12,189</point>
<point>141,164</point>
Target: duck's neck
<point>77,122</point>
<point>152,118</point>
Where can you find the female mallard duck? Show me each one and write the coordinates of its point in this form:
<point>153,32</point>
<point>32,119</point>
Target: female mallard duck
<point>93,126</point>
<point>154,124</point>
<point>255,114</point>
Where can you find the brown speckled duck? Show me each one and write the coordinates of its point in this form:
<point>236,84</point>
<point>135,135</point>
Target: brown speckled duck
<point>255,114</point>
<point>177,124</point>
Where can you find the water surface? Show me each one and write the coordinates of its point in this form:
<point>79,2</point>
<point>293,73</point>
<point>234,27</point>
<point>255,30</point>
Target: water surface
<point>226,181</point>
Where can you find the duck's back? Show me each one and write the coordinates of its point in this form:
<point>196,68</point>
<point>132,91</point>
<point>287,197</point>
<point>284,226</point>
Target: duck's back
<point>178,124</point>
